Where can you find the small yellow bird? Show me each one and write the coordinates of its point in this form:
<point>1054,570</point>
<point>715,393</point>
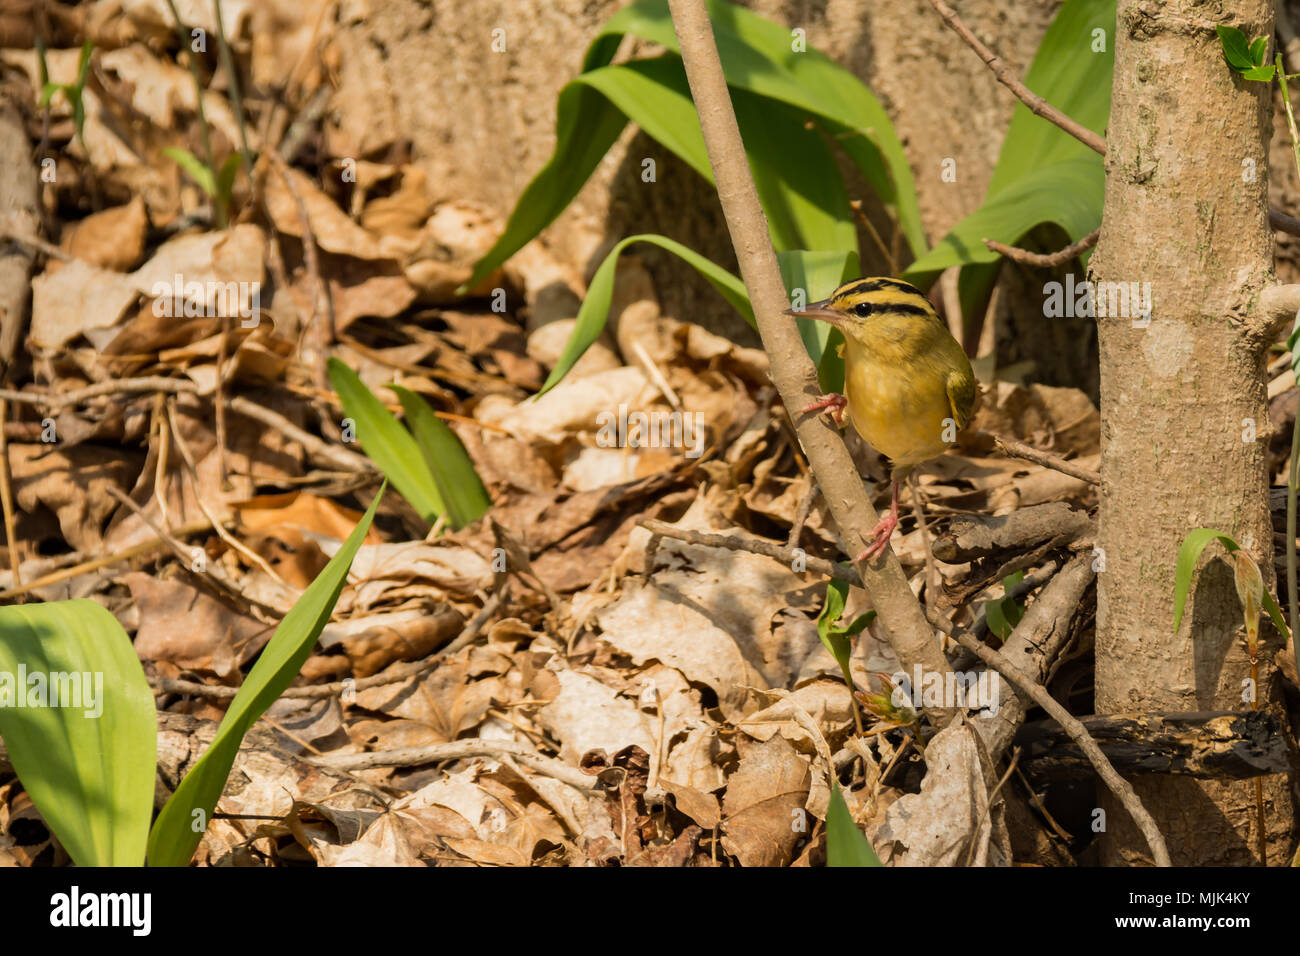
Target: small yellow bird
<point>908,384</point>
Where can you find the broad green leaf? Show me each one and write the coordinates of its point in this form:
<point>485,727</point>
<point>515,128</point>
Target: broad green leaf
<point>389,445</point>
<point>595,308</point>
<point>1235,49</point>
<point>846,845</point>
<point>757,57</point>
<point>195,167</point>
<point>1067,194</point>
<point>181,823</point>
<point>88,767</point>
<point>794,172</point>
<point>773,87</point>
<point>459,485</point>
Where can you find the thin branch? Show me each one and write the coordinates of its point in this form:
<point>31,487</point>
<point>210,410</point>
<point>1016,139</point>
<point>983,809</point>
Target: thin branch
<point>1018,449</point>
<point>458,750</point>
<point>792,371</point>
<point>1117,785</point>
<point>1046,260</point>
<point>741,541</point>
<point>1037,105</point>
<point>7,499</point>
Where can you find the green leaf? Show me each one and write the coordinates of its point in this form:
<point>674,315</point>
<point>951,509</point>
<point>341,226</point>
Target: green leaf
<point>47,92</point>
<point>225,183</point>
<point>1189,555</point>
<point>1004,613</point>
<point>1235,49</point>
<point>195,167</point>
<point>773,88</point>
<point>1293,345</point>
<point>1257,50</point>
<point>91,777</point>
<point>757,58</point>
<point>595,308</point>
<point>389,445</point>
<point>1067,194</point>
<point>1259,73</point>
<point>458,483</point>
<point>846,845</point>
<point>177,830</point>
<point>836,638</point>
<point>586,126</point>
<point>83,64</point>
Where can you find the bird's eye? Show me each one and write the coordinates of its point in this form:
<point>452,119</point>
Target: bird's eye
<point>863,309</point>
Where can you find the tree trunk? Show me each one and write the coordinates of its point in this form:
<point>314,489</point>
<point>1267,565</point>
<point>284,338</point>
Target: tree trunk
<point>1183,405</point>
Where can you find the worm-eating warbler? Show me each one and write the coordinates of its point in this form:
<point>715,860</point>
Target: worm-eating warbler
<point>908,385</point>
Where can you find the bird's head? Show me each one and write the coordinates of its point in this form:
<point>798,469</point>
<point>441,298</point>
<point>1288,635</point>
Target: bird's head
<point>863,305</point>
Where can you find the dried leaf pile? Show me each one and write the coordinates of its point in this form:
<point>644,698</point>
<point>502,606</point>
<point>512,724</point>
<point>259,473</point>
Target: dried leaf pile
<point>603,695</point>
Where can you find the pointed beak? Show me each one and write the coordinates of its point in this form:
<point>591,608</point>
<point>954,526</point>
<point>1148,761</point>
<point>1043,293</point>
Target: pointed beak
<point>821,311</point>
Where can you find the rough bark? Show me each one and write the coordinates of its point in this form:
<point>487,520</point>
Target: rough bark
<point>1178,397</point>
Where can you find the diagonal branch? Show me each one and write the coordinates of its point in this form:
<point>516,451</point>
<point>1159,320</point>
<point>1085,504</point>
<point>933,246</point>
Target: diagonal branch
<point>792,370</point>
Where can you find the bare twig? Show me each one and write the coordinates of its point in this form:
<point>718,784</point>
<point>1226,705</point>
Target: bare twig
<point>1037,105</point>
<point>7,498</point>
<point>458,750</point>
<point>222,533</point>
<point>1046,260</point>
<point>742,541</point>
<point>1018,449</point>
<point>212,573</point>
<point>792,371</point>
<point>86,567</point>
<point>1117,785</point>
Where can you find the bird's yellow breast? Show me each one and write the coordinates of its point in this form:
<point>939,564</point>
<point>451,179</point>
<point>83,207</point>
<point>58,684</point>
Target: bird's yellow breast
<point>902,409</point>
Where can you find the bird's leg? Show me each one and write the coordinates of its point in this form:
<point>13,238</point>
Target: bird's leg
<point>880,535</point>
<point>834,401</point>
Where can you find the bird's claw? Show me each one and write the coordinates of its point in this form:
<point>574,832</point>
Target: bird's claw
<point>834,403</point>
<point>880,538</point>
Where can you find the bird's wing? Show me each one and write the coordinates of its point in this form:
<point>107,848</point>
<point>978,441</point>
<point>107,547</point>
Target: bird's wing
<point>961,396</point>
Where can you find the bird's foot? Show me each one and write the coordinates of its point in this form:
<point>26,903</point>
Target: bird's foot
<point>835,403</point>
<point>879,538</point>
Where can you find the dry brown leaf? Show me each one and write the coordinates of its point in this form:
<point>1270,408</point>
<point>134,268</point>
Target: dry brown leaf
<point>112,239</point>
<point>190,628</point>
<point>333,230</point>
<point>763,809</point>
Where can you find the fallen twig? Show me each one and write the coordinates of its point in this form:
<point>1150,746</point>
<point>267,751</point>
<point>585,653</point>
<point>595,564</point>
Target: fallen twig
<point>458,750</point>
